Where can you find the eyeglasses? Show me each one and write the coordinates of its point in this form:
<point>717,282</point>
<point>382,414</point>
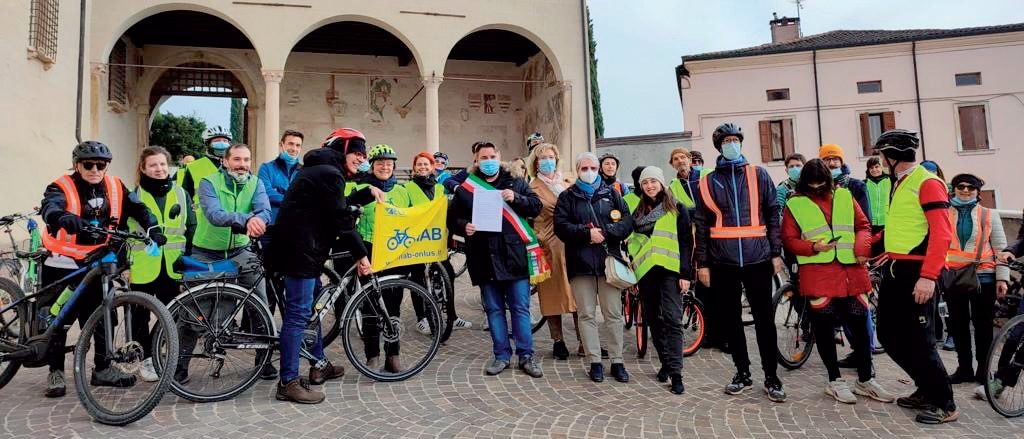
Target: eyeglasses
<point>480,145</point>
<point>966,187</point>
<point>99,166</point>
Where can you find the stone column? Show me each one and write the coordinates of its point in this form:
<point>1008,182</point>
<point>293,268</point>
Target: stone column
<point>142,126</point>
<point>272,115</point>
<point>431,85</point>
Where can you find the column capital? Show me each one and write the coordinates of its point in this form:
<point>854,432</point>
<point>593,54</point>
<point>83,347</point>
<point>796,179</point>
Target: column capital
<point>432,81</point>
<point>273,75</point>
<point>565,85</point>
<point>99,69</point>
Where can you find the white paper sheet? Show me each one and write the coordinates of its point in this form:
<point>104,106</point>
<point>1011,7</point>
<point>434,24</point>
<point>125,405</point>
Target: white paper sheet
<point>487,210</point>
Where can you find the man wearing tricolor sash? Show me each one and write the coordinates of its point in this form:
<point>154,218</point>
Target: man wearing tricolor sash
<point>502,263</point>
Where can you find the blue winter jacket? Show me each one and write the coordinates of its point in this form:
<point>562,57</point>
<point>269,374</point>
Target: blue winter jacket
<point>728,187</point>
<point>857,188</point>
<point>276,176</point>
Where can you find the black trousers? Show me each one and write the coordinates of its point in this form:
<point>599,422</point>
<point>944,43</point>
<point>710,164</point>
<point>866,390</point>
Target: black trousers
<point>713,328</point>
<point>907,331</point>
<point>840,311</point>
<point>84,306</point>
<point>965,309</point>
<point>729,282</point>
<point>164,289</point>
<point>663,313</point>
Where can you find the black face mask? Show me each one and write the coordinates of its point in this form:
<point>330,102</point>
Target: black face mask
<point>818,191</point>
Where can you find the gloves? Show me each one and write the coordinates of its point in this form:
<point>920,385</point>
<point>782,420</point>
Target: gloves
<point>157,237</point>
<point>72,223</point>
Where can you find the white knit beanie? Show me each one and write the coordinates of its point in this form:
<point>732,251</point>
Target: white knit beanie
<point>655,173</point>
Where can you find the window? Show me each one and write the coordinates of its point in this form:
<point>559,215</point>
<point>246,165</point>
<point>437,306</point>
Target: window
<point>776,139</point>
<point>42,30</point>
<point>117,93</point>
<point>968,79</point>
<point>987,198</point>
<point>869,87</point>
<point>973,126</point>
<point>873,125</point>
<point>779,94</point>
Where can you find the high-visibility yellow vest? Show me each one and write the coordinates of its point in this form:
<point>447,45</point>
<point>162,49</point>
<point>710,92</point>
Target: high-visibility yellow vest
<point>233,199</point>
<point>397,197</point>
<point>632,200</point>
<point>146,268</point>
<point>878,199</point>
<point>905,223</point>
<point>676,186</point>
<point>416,194</point>
<point>813,227</point>
<point>659,249</point>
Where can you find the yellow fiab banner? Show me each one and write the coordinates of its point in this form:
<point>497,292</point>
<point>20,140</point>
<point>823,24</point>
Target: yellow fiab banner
<point>410,235</point>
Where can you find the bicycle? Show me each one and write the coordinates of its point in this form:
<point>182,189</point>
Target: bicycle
<point>1006,362</point>
<point>692,320</point>
<point>401,238</point>
<point>27,330</point>
<point>24,266</point>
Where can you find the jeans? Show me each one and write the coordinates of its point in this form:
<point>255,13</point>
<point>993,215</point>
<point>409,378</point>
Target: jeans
<point>514,295</point>
<point>298,307</point>
<point>871,332</point>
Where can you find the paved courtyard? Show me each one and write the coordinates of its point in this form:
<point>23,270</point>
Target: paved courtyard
<point>453,398</point>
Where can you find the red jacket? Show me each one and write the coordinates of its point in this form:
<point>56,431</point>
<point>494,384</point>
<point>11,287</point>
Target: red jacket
<point>833,279</point>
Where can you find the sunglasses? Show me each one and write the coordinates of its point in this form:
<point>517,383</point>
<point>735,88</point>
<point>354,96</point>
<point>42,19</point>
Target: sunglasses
<point>99,166</point>
<point>966,187</point>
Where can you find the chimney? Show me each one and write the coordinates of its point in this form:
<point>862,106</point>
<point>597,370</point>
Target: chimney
<point>784,29</point>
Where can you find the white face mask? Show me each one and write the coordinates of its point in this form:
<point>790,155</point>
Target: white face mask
<point>588,177</point>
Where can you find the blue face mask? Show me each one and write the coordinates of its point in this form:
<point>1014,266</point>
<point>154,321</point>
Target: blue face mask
<point>696,168</point>
<point>363,167</point>
<point>731,150</point>
<point>837,172</point>
<point>288,158</point>
<point>490,167</point>
<point>794,173</point>
<point>546,166</point>
<point>219,148</point>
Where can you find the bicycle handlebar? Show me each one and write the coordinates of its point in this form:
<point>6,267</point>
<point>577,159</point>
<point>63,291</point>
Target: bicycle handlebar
<point>15,217</point>
<point>133,236</point>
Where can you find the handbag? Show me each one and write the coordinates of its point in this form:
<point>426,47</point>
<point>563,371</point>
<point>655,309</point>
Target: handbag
<point>965,279</point>
<point>616,271</point>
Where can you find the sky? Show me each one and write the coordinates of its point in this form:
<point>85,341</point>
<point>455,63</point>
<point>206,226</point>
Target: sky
<point>639,46</point>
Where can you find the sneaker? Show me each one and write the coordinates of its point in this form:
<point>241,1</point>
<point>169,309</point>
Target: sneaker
<point>619,373</point>
<point>269,372</point>
<point>111,377</point>
<point>662,374</point>
<point>423,327</point>
<point>298,390</point>
<point>530,366</point>
<point>318,376</point>
<point>461,323</point>
<point>878,350</point>
<point>840,391</point>
<point>935,415</point>
<point>914,401</point>
<point>961,376</point>
<point>560,352</point>
<point>740,382</point>
<point>596,372</point>
<point>773,388</point>
<point>56,387</point>
<point>147,372</point>
<point>997,390</point>
<point>496,366</point>
<point>873,390</point>
<point>677,384</point>
<point>949,345</point>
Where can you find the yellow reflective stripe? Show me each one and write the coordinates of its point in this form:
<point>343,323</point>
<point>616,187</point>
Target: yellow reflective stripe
<point>842,228</point>
<point>844,246</point>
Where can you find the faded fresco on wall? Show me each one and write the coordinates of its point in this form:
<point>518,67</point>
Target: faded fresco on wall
<point>379,98</point>
<point>543,110</point>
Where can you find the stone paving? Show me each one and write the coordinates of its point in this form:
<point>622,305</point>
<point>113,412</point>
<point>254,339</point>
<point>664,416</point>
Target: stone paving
<point>453,398</point>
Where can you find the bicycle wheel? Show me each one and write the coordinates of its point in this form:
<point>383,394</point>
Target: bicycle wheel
<point>693,326</point>
<point>112,395</point>
<point>330,326</point>
<point>227,335</point>
<point>379,330</point>
<point>641,331</point>
<point>795,339</point>
<point>1005,363</point>
<point>444,291</point>
<point>12,329</point>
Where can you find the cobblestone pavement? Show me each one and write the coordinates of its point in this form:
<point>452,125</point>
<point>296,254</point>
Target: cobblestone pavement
<point>453,398</point>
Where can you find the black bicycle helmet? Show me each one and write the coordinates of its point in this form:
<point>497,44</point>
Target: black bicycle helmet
<point>91,150</point>
<point>725,130</point>
<point>898,144</point>
<point>606,156</point>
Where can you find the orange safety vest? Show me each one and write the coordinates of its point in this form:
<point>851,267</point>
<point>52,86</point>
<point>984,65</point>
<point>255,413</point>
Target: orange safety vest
<point>64,243</point>
<point>978,249</point>
<point>755,229</point>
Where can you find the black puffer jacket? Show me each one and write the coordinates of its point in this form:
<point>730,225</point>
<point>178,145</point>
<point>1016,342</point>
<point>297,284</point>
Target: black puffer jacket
<point>574,219</point>
<point>314,212</point>
<point>491,255</point>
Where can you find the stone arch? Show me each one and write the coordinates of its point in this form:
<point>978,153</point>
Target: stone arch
<point>521,31</point>
<point>361,19</point>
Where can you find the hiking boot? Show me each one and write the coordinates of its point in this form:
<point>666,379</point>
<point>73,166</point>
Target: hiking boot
<point>298,390</point>
<point>914,401</point>
<point>392,365</point>
<point>423,327</point>
<point>677,384</point>
<point>840,391</point>
<point>619,373</point>
<point>318,376</point>
<point>496,366</point>
<point>596,372</point>
<point>147,372</point>
<point>873,390</point>
<point>268,372</point>
<point>961,376</point>
<point>461,323</point>
<point>531,367</point>
<point>56,387</point>
<point>560,352</point>
<point>111,377</point>
<point>935,415</point>
<point>773,388</point>
<point>662,374</point>
<point>740,383</point>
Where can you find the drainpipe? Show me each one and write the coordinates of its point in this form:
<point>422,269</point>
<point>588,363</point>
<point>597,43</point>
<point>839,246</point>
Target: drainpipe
<point>81,63</point>
<point>817,99</point>
<point>917,97</point>
<point>586,76</point>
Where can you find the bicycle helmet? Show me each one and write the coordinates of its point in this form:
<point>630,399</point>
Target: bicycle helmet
<point>441,155</point>
<point>215,132</point>
<point>534,139</point>
<point>607,156</point>
<point>725,130</point>
<point>91,150</point>
<point>346,141</point>
<point>898,144</point>
<point>382,152</point>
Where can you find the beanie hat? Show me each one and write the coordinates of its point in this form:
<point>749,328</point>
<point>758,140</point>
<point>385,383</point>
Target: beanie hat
<point>655,173</point>
<point>831,150</point>
<point>696,155</point>
<point>970,179</point>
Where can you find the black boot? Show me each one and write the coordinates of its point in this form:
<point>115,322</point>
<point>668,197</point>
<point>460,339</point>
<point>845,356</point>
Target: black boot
<point>596,372</point>
<point>677,384</point>
<point>560,351</point>
<point>619,373</point>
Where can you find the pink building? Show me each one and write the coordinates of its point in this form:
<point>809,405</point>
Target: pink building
<point>962,89</point>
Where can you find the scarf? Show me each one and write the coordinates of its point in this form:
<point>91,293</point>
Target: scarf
<point>587,188</point>
<point>556,184</point>
<point>158,188</point>
<point>964,221</point>
<point>426,183</point>
<point>842,180</point>
<point>383,185</point>
<point>644,224</point>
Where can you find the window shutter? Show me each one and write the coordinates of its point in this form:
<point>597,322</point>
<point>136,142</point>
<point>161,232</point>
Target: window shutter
<point>888,121</point>
<point>764,127</point>
<point>865,135</point>
<point>987,198</point>
<point>787,138</point>
<point>972,128</point>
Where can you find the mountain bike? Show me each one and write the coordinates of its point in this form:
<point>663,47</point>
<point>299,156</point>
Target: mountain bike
<point>22,262</point>
<point>28,329</point>
<point>1005,362</point>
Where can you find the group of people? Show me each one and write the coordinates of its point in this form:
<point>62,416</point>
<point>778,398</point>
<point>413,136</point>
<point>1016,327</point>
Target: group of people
<point>724,230</point>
